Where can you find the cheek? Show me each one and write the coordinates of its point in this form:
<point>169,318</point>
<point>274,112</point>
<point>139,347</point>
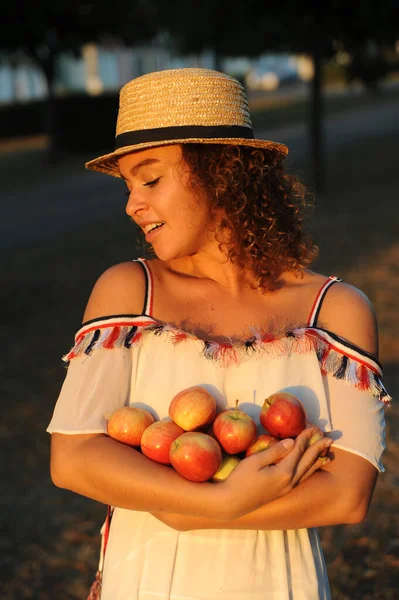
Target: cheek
<point>200,212</point>
<point>198,220</point>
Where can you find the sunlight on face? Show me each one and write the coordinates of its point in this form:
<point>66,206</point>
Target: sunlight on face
<point>174,218</point>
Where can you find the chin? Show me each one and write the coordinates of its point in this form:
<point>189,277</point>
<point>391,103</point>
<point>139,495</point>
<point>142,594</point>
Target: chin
<point>166,255</point>
<point>169,254</point>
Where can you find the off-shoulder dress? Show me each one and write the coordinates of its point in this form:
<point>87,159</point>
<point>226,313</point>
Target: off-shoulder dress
<point>135,359</point>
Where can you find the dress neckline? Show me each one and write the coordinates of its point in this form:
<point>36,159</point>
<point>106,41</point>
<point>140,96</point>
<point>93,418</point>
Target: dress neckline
<point>145,322</point>
<point>335,355</point>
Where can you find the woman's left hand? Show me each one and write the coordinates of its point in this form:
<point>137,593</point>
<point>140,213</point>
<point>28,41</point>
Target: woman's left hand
<point>312,463</point>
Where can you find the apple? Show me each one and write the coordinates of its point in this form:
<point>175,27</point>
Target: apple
<point>193,408</point>
<point>195,455</point>
<point>228,464</point>
<point>157,440</point>
<point>261,443</point>
<point>283,415</point>
<point>128,423</point>
<point>234,430</point>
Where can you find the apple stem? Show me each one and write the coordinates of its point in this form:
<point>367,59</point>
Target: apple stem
<point>236,410</point>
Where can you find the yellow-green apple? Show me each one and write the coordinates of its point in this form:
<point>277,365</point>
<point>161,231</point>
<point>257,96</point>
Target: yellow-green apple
<point>157,440</point>
<point>283,415</point>
<point>315,437</point>
<point>128,423</point>
<point>229,463</point>
<point>193,408</point>
<point>195,455</point>
<point>261,443</point>
<point>234,430</point>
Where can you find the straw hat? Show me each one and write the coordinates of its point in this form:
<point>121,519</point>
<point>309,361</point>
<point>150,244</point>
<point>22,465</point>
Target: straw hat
<point>180,106</point>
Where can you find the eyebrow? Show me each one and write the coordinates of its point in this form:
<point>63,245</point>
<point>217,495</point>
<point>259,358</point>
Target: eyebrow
<point>147,161</point>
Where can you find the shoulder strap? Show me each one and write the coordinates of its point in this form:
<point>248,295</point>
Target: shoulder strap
<point>149,287</point>
<point>318,301</point>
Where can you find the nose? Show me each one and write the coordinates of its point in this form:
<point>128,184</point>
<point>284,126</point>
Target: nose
<point>135,204</point>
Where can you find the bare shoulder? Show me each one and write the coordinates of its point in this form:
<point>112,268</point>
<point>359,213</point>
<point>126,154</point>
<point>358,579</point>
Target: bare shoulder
<point>348,312</point>
<point>120,290</point>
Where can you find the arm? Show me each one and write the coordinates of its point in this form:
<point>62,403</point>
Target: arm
<point>96,466</point>
<point>338,493</point>
<point>101,468</point>
<point>341,491</point>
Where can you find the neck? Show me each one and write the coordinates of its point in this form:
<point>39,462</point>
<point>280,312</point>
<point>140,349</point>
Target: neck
<point>214,266</point>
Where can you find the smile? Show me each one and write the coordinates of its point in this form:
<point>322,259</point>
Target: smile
<point>152,226</point>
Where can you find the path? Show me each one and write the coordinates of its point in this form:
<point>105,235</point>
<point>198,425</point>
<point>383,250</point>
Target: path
<point>37,209</point>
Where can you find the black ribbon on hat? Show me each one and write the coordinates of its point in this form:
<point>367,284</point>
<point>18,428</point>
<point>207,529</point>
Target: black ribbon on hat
<point>182,132</point>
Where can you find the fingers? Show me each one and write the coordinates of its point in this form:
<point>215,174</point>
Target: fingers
<point>318,464</point>
<point>301,459</point>
<point>311,459</point>
<point>274,453</point>
<point>317,447</point>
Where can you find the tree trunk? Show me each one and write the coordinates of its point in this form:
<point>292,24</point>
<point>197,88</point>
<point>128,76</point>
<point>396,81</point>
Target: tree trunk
<point>13,63</point>
<point>316,118</point>
<point>48,66</point>
<point>217,61</point>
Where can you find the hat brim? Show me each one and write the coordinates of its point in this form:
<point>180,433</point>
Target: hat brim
<point>108,163</point>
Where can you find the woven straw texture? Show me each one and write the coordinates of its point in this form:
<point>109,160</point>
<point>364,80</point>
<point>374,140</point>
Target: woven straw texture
<point>180,97</point>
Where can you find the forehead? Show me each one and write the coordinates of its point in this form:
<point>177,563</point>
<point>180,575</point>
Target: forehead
<point>166,155</point>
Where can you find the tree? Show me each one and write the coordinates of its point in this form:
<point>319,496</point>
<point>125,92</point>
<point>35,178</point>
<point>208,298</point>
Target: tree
<point>45,29</point>
<point>311,27</point>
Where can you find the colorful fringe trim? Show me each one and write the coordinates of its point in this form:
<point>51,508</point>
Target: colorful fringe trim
<point>336,356</point>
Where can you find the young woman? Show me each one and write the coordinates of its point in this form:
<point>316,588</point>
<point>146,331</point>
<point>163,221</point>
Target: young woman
<point>227,303</point>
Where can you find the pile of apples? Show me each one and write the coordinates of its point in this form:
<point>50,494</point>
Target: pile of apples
<point>200,444</point>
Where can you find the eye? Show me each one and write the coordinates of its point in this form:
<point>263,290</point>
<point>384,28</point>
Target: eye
<point>152,183</point>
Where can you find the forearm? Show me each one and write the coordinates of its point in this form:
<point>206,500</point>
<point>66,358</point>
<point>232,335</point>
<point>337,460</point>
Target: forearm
<point>308,505</point>
<point>115,474</point>
<point>330,496</point>
<point>314,503</point>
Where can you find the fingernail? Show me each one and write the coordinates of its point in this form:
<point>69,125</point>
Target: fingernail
<point>329,442</point>
<point>288,443</point>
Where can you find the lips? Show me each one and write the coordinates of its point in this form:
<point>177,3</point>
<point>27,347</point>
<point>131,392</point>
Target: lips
<point>151,226</point>
<point>153,232</point>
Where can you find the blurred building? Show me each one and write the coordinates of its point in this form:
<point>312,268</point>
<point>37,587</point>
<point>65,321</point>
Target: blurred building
<point>98,70</point>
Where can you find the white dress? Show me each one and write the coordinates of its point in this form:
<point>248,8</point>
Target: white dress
<point>135,359</point>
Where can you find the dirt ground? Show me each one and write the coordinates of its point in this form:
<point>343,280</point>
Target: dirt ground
<point>50,537</point>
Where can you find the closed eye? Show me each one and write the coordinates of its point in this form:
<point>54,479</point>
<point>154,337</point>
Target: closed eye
<point>152,183</point>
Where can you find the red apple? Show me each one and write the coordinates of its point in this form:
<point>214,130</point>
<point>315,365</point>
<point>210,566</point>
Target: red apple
<point>195,455</point>
<point>283,415</point>
<point>157,440</point>
<point>234,430</point>
<point>193,408</point>
<point>229,463</point>
<point>261,443</point>
<point>128,423</point>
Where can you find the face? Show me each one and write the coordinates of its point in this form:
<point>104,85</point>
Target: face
<point>175,219</point>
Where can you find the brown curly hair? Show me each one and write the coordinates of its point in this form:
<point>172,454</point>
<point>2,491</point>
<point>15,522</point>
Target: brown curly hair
<point>263,207</point>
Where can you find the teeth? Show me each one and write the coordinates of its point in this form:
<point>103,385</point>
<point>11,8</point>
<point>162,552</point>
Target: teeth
<point>151,226</point>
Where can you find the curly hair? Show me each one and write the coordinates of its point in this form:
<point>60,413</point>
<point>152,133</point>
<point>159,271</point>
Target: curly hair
<point>263,208</point>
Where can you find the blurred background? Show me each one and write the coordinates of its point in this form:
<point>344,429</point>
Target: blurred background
<point>322,78</point>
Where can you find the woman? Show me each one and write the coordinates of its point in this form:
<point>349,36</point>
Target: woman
<point>228,303</point>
